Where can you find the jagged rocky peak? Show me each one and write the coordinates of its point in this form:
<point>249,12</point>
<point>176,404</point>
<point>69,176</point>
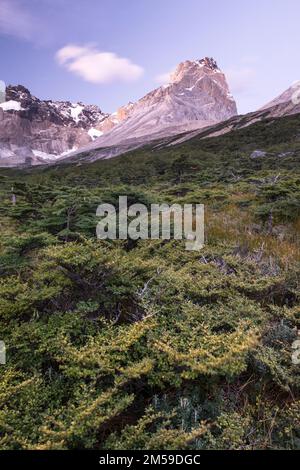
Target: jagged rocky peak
<point>193,85</point>
<point>197,91</point>
<point>208,64</point>
<point>33,131</point>
<point>18,93</point>
<point>197,96</point>
<point>64,113</point>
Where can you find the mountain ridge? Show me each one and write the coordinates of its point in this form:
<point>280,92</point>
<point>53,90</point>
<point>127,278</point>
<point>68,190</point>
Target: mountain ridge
<point>34,131</point>
<point>196,101</point>
<point>197,96</point>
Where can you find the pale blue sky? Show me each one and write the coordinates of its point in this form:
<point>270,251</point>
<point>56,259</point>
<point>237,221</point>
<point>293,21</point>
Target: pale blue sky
<point>254,41</point>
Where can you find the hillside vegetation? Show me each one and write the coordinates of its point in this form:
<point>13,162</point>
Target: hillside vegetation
<point>141,344</point>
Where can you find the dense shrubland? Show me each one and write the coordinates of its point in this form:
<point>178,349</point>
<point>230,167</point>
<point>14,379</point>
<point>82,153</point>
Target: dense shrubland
<point>141,344</point>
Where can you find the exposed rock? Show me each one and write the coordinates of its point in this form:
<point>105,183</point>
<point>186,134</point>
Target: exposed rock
<point>116,118</point>
<point>258,154</point>
<point>196,102</point>
<point>197,96</point>
<point>47,129</point>
<point>288,100</point>
<point>286,154</point>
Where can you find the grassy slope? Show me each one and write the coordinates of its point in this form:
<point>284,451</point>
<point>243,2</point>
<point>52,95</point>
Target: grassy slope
<point>142,344</point>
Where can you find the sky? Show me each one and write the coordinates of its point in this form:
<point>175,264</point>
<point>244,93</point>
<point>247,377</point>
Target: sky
<point>110,52</point>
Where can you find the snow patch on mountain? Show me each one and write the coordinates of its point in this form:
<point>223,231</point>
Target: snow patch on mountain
<point>33,131</point>
<point>197,96</point>
<point>76,110</point>
<point>11,105</point>
<point>94,133</point>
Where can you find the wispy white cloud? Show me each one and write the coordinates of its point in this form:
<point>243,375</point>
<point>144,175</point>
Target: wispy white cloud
<point>96,66</point>
<point>240,79</point>
<point>15,20</point>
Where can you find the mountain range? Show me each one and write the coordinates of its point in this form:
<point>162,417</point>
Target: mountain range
<point>197,100</point>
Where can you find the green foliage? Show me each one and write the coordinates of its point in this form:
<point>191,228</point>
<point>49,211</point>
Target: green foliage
<point>144,345</point>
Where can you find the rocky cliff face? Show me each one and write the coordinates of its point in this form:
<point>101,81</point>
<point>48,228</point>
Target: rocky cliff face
<point>210,101</point>
<point>196,100</point>
<point>287,103</point>
<point>197,96</point>
<point>33,131</point>
<point>116,118</point>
